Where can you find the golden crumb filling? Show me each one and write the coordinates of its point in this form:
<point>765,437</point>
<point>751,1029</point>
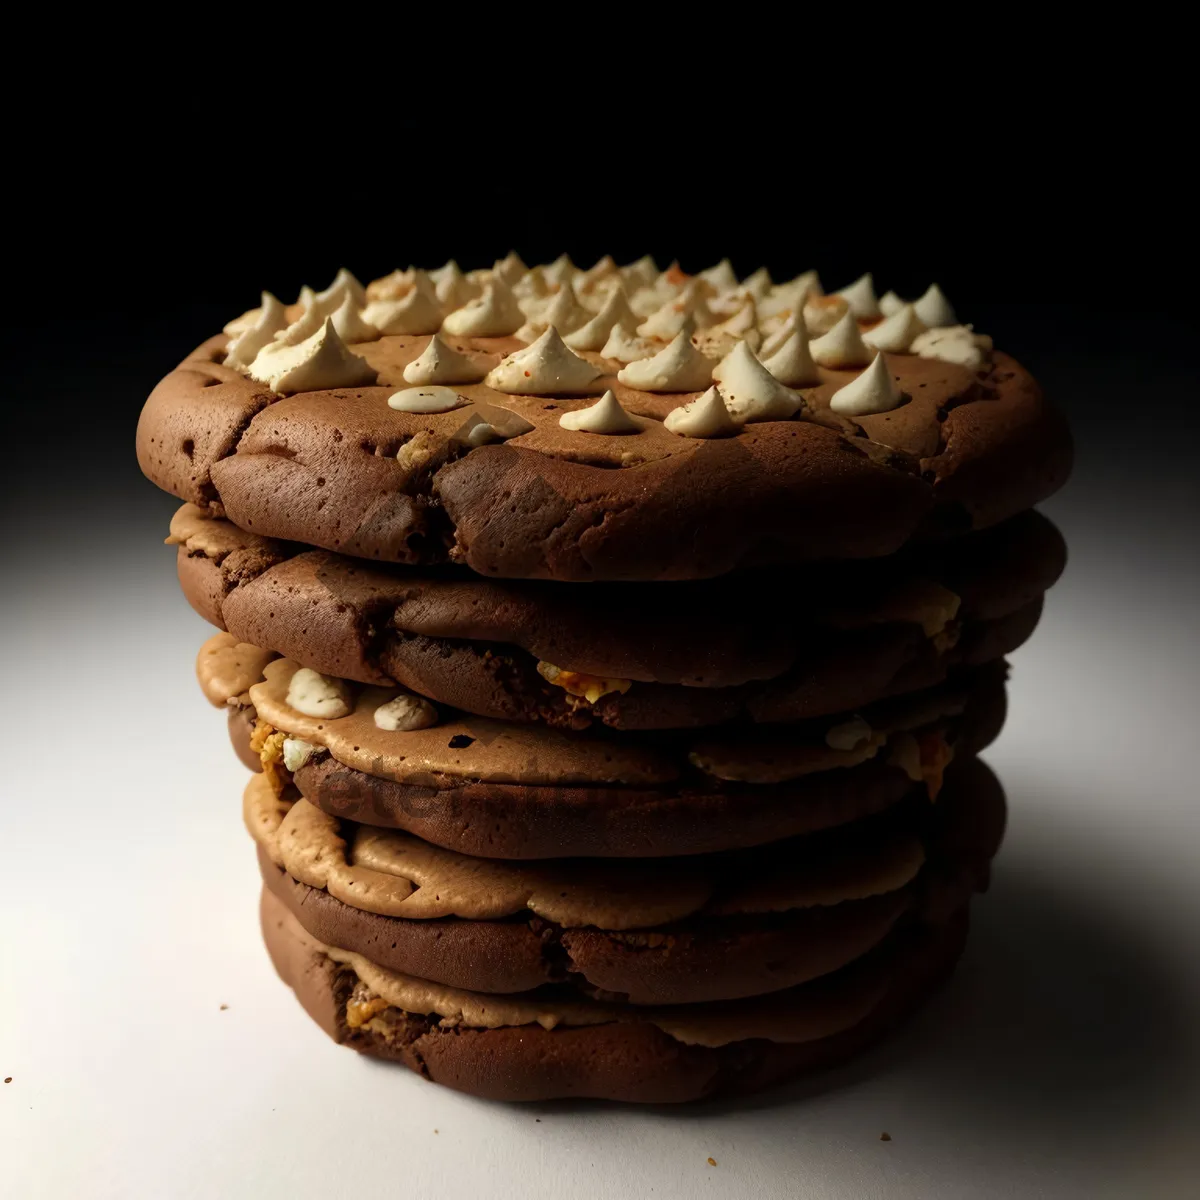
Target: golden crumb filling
<point>576,683</point>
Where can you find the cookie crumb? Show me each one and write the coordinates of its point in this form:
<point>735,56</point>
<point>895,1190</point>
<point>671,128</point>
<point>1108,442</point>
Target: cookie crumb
<point>8,1079</point>
<point>224,1007</point>
<point>885,1137</point>
<point>435,1131</point>
<point>712,1162</point>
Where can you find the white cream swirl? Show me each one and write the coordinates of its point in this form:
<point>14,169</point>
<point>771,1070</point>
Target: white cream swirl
<point>321,361</point>
<point>244,348</point>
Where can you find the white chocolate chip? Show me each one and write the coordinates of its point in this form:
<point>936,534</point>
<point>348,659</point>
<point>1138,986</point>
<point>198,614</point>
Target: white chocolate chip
<point>431,399</point>
<point>605,416</point>
<point>954,343</point>
<point>848,735</point>
<point>890,303</point>
<point>296,752</point>
<point>406,712</point>
<point>317,695</point>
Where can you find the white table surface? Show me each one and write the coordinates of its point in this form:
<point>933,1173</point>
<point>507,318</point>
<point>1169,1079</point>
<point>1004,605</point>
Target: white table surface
<point>1061,1061</point>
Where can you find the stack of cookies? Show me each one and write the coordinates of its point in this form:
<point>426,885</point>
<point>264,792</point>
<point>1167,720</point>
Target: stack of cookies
<point>611,649</point>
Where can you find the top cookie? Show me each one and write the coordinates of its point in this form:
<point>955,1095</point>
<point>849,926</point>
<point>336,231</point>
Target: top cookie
<point>610,424</point>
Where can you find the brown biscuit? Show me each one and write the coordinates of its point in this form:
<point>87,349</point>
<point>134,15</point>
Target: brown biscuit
<point>621,1059</point>
<point>690,657</point>
<point>702,958</point>
<point>966,450</point>
<point>525,822</point>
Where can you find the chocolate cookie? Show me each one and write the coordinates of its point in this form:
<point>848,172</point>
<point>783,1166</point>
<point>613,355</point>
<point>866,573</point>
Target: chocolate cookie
<point>673,931</point>
<point>540,1047</point>
<point>958,447</point>
<point>501,790</point>
<point>628,656</point>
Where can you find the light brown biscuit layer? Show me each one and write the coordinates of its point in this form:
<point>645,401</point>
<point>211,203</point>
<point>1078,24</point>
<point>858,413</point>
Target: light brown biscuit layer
<point>672,1056</point>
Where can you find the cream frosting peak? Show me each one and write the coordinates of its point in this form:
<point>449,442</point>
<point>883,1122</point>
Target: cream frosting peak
<point>642,272</point>
<point>319,362</point>
<point>704,417</point>
<point>594,334</point>
<point>454,290</point>
<point>934,309</point>
<point>751,392</point>
<point>627,347</point>
<point>790,295</point>
<point>344,284</point>
<point>792,362</point>
<point>602,268</point>
<point>244,348</point>
<point>393,285</point>
<point>439,363</point>
<point>781,334</point>
<point>350,326</point>
<point>545,368</point>
<point>510,268</point>
<point>860,295</point>
<point>895,333</point>
<point>679,367</point>
<point>822,313</point>
<point>890,303</point>
<point>561,270</point>
<point>605,416</point>
<point>758,283</point>
<point>842,346</point>
<point>564,312</point>
<point>493,314</point>
<point>667,320</point>
<point>305,325</point>
<point>416,312</point>
<point>874,391</point>
<point>721,277</point>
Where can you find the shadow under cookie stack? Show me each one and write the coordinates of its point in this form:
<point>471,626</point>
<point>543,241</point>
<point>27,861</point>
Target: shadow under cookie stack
<point>612,651</point>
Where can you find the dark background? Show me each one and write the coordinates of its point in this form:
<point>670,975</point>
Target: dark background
<point>146,219</point>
